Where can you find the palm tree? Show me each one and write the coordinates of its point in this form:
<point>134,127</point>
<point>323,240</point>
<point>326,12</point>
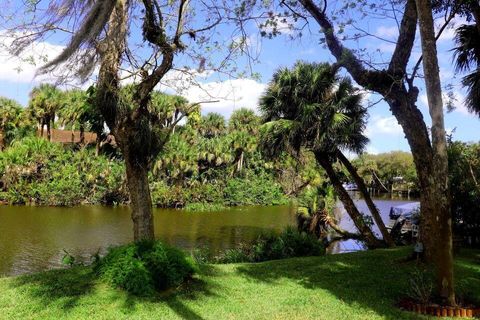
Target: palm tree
<point>212,125</point>
<point>244,119</point>
<point>311,107</point>
<point>78,110</point>
<point>179,159</point>
<point>73,111</point>
<point>45,101</point>
<point>10,120</point>
<point>243,126</point>
<point>467,59</point>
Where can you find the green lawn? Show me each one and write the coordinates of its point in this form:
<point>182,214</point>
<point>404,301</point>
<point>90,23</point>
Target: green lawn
<point>362,285</point>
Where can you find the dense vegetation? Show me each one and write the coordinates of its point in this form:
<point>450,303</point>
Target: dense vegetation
<point>464,160</point>
<point>206,164</point>
<point>388,171</point>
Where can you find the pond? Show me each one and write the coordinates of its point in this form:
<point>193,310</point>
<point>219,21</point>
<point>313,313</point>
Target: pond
<point>33,238</point>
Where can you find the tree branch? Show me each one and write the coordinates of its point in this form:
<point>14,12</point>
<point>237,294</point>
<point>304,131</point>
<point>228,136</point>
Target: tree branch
<point>369,79</point>
<point>406,39</point>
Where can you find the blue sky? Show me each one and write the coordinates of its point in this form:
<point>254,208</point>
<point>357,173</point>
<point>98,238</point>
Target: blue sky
<point>383,130</point>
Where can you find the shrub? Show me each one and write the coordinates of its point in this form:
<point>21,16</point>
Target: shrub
<point>254,190</point>
<point>421,285</point>
<point>144,267</point>
<point>288,244</point>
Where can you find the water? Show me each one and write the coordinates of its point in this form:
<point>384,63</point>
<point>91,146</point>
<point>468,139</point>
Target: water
<point>32,239</point>
<point>383,203</point>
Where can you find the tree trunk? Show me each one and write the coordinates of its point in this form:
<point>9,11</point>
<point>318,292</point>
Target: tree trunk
<point>41,128</point>
<point>49,133</point>
<point>97,145</point>
<point>371,206</point>
<point>474,178</point>
<point>240,162</point>
<point>436,231</point>
<point>365,231</point>
<point>82,135</point>
<point>140,199</point>
<point>391,84</point>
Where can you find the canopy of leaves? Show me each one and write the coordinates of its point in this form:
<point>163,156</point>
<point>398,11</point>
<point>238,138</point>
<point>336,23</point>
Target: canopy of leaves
<point>467,58</point>
<point>311,106</point>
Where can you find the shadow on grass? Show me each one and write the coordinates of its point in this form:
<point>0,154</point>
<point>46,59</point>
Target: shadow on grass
<point>373,280</point>
<point>64,288</point>
<point>175,298</point>
<point>61,287</point>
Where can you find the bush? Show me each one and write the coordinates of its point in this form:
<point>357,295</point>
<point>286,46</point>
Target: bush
<point>254,190</point>
<point>288,244</point>
<point>142,268</point>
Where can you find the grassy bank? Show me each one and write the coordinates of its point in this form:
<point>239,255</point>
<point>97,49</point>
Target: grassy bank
<point>363,285</point>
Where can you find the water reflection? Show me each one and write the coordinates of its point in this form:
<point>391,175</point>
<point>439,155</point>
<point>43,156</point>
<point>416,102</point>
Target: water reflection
<point>33,238</point>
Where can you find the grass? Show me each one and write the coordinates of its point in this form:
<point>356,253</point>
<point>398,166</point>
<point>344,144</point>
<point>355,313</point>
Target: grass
<point>363,285</point>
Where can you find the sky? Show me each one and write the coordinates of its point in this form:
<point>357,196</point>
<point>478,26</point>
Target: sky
<point>17,77</point>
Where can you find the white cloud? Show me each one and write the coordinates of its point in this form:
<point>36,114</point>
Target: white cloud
<point>457,100</point>
<point>22,69</point>
<point>372,150</point>
<point>379,125</point>
<point>387,32</point>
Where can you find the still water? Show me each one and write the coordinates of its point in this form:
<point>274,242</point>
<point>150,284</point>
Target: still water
<point>33,238</point>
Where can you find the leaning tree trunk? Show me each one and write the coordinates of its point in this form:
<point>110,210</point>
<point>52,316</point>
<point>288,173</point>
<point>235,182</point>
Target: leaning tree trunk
<point>392,83</point>
<point>363,228</point>
<point>140,199</point>
<point>366,196</point>
<point>437,227</point>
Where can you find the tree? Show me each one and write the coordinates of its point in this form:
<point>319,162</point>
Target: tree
<point>464,168</point>
<point>105,33</point>
<point>45,102</point>
<point>311,107</point>
<point>395,84</point>
<point>380,170</point>
<point>440,224</point>
<point>212,125</point>
<point>10,120</point>
<point>74,111</point>
<point>243,126</point>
